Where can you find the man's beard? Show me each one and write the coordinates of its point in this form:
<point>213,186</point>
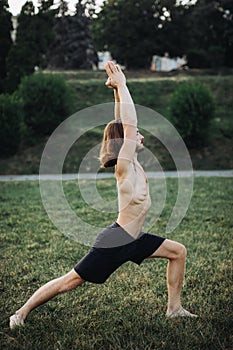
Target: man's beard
<point>139,148</point>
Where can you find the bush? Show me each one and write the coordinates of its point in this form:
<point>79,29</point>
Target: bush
<point>197,58</point>
<point>11,121</point>
<point>216,56</point>
<point>213,57</point>
<point>47,101</point>
<point>191,108</point>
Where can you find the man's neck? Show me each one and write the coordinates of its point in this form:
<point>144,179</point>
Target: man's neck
<point>135,158</point>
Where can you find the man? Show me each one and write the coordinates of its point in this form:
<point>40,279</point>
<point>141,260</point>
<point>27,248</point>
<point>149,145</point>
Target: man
<point>122,241</point>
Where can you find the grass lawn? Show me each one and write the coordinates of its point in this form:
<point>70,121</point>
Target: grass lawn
<point>127,312</point>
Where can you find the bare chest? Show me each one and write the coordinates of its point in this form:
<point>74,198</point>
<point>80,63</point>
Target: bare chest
<point>134,189</point>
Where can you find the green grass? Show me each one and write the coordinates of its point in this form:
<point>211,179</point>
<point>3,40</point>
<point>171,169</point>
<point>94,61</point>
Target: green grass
<point>127,312</point>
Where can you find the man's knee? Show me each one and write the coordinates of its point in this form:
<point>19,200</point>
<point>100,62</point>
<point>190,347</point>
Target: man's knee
<point>181,251</point>
<point>170,250</point>
<point>70,281</point>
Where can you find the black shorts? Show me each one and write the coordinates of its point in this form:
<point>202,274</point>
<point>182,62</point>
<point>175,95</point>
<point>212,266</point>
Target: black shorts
<point>100,263</point>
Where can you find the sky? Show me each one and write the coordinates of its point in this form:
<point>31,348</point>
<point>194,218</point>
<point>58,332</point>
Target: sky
<point>16,5</point>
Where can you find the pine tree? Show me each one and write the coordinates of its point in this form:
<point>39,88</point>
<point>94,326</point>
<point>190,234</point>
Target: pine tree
<point>34,35</point>
<point>5,39</point>
<point>73,48</point>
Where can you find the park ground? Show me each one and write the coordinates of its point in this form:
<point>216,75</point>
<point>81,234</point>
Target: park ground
<point>128,311</point>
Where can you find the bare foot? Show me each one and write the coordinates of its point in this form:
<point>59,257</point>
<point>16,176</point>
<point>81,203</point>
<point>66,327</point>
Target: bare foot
<point>181,312</point>
<point>16,320</point>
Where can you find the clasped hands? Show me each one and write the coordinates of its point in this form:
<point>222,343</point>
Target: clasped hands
<point>116,77</point>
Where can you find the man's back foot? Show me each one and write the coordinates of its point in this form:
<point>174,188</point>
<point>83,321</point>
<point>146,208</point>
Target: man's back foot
<point>181,312</point>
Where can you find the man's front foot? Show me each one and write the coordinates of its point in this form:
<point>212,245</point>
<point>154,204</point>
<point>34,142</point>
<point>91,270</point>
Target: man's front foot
<point>181,312</point>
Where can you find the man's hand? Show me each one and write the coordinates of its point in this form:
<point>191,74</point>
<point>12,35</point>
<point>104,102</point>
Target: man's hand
<point>109,84</point>
<point>115,75</point>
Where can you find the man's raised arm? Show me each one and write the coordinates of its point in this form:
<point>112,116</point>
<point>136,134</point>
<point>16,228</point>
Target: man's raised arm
<point>128,116</point>
<point>116,98</point>
<point>117,105</point>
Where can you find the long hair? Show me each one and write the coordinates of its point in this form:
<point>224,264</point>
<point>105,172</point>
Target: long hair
<point>111,144</point>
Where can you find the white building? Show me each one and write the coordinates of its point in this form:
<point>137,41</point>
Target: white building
<point>167,64</point>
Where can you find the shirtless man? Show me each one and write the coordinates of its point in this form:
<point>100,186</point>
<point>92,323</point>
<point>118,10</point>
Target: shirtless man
<point>122,241</point>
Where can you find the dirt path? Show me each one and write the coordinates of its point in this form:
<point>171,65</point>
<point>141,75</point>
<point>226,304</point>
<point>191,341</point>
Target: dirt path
<point>168,174</point>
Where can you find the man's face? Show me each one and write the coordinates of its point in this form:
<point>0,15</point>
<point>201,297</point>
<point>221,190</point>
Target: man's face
<point>140,140</point>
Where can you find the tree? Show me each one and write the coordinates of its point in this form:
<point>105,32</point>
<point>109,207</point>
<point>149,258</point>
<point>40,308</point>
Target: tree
<point>73,48</point>
<point>212,34</point>
<point>44,22</point>
<point>34,34</point>
<point>133,31</point>
<point>136,30</point>
<point>20,59</point>
<point>5,39</point>
<point>129,30</point>
<point>175,29</point>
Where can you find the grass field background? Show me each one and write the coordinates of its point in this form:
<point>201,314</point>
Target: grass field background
<point>127,312</point>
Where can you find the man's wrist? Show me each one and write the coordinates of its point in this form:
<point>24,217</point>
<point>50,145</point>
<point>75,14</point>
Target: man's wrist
<point>121,85</point>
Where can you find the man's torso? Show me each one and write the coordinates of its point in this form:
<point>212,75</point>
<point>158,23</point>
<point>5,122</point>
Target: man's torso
<point>133,199</point>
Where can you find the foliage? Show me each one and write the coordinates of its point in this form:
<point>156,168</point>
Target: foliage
<point>191,109</point>
<point>127,312</point>
<point>47,101</point>
<point>72,47</point>
<point>197,58</point>
<point>34,34</point>
<point>11,119</point>
<point>211,32</point>
<point>128,30</point>
<point>214,58</point>
<point>5,39</point>
<point>89,89</point>
<point>133,32</point>
<point>175,30</point>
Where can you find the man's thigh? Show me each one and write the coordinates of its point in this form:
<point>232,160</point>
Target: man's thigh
<point>169,249</point>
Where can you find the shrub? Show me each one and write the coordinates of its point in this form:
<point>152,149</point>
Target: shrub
<point>11,121</point>
<point>191,108</point>
<point>197,58</point>
<point>47,101</point>
<point>213,57</point>
<point>216,56</point>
